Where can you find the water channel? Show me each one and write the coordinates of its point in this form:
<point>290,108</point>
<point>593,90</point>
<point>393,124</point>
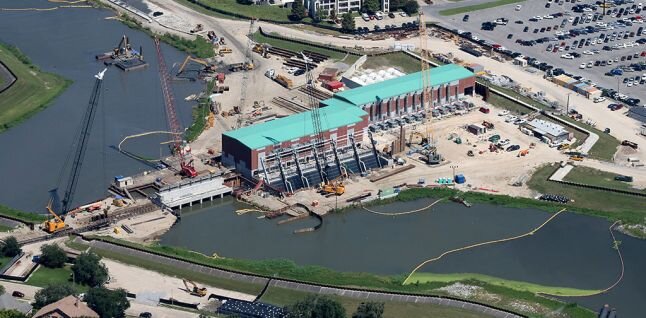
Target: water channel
<point>64,42</point>
<point>572,250</point>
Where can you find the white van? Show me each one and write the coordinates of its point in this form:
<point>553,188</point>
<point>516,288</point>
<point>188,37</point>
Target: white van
<point>518,7</point>
<point>365,17</point>
<point>379,15</point>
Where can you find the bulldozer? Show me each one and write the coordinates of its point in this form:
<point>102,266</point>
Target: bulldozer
<point>195,290</point>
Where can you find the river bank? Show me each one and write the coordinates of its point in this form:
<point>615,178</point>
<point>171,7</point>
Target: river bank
<point>32,91</point>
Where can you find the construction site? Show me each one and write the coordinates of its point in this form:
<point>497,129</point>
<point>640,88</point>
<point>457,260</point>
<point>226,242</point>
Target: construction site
<point>291,131</point>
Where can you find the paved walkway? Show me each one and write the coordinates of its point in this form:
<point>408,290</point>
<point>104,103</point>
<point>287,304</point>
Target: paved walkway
<point>306,287</point>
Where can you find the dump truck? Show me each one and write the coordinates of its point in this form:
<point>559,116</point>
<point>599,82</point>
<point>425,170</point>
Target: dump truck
<point>629,144</point>
<point>236,67</point>
<point>283,80</point>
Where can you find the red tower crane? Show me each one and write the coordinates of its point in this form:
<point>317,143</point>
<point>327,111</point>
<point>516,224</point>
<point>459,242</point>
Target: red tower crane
<point>178,150</point>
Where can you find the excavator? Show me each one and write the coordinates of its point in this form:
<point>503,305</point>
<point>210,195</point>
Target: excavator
<point>195,290</point>
<point>417,138</point>
<point>333,187</point>
<point>207,67</point>
<point>57,223</point>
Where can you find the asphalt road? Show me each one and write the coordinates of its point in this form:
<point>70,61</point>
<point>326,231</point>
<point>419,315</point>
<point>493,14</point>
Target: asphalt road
<point>535,8</point>
<point>312,288</point>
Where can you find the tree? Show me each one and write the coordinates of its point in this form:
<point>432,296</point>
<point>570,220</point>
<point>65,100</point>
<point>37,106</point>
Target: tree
<point>89,270</point>
<point>298,11</point>
<point>11,313</point>
<point>369,310</point>
<point>107,303</point>
<point>317,307</point>
<point>347,23</point>
<point>52,256</point>
<point>411,7</point>
<point>52,293</point>
<point>10,247</point>
<point>371,6</point>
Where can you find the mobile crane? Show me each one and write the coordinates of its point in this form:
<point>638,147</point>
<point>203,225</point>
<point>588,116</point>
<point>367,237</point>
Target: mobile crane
<point>57,223</point>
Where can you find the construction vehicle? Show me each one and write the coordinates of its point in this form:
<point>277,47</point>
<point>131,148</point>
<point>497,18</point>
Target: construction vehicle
<point>194,289</point>
<point>262,49</point>
<point>284,81</point>
<point>207,67</point>
<point>576,158</point>
<point>487,124</point>
<point>563,146</point>
<point>333,188</point>
<point>225,50</point>
<point>179,150</point>
<point>57,223</point>
<point>470,153</point>
<point>197,28</point>
<point>523,153</point>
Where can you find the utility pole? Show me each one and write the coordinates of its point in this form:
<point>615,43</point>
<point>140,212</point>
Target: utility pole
<point>453,175</point>
<point>567,106</point>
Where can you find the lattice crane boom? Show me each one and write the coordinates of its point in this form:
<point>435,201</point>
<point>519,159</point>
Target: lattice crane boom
<point>187,168</point>
<point>312,103</point>
<point>426,72</point>
<point>248,65</point>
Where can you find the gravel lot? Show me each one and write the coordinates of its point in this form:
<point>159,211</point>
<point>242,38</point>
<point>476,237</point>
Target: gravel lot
<point>535,8</point>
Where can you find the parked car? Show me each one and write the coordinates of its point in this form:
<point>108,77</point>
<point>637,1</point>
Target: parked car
<point>512,148</point>
<point>17,294</point>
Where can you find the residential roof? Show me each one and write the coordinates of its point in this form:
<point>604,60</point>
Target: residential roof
<point>546,127</point>
<point>336,114</point>
<point>407,83</point>
<point>69,306</point>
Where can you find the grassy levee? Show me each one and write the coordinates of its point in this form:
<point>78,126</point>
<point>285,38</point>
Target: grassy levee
<point>392,309</point>
<point>44,277</point>
<point>22,216</point>
<point>320,275</point>
<point>32,91</point>
<point>199,47</point>
<point>200,114</point>
<point>243,287</point>
<point>297,47</point>
<point>423,277</point>
<point>477,7</point>
<point>600,178</point>
<point>273,13</point>
<point>612,206</point>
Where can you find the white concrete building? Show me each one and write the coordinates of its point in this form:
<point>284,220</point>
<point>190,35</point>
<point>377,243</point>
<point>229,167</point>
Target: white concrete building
<point>340,6</point>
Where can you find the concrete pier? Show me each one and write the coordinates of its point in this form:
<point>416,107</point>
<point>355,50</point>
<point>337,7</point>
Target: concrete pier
<point>191,191</point>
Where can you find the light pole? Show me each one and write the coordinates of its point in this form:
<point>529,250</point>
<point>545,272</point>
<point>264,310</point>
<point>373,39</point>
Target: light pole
<point>567,105</point>
<point>453,176</point>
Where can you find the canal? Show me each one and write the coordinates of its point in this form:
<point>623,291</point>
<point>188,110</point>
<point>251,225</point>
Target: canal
<point>572,250</point>
<point>64,42</point>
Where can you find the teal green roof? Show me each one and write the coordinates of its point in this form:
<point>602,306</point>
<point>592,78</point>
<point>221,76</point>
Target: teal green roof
<point>407,83</point>
<point>335,115</point>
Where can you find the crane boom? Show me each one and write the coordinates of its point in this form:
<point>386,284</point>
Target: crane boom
<point>187,168</point>
<point>248,65</point>
<point>82,145</point>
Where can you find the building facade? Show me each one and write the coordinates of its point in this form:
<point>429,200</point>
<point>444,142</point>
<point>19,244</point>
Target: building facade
<point>258,147</point>
<point>339,7</point>
<point>404,95</point>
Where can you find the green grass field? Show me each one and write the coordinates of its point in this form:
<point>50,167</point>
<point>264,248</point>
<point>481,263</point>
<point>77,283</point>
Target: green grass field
<point>258,11</point>
<point>44,276</point>
<point>297,47</point>
<point>283,297</point>
<point>400,60</point>
<point>32,91</point>
<point>24,216</point>
<point>477,7</point>
<point>422,277</point>
<point>599,178</point>
<point>614,206</point>
<point>4,228</point>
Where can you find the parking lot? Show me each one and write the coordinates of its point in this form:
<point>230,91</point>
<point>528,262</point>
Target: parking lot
<point>591,49</point>
<point>397,21</point>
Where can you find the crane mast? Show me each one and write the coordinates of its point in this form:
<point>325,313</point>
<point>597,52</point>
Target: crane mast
<point>187,168</point>
<point>72,182</point>
<point>248,65</point>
